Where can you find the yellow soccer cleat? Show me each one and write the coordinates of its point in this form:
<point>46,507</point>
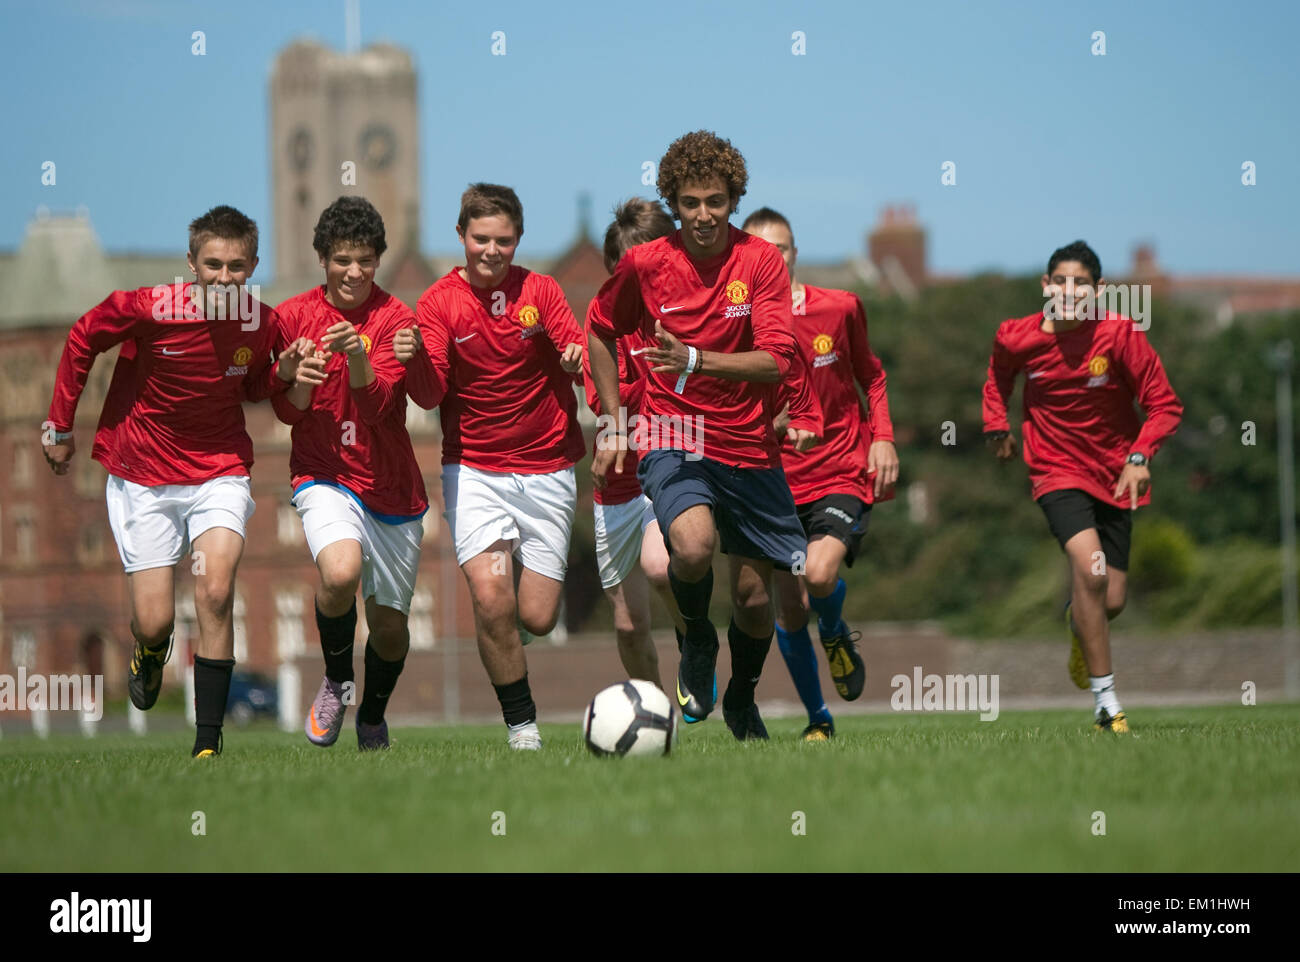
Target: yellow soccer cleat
<point>206,753</point>
<point>1077,666</point>
<point>1117,724</point>
<point>819,732</point>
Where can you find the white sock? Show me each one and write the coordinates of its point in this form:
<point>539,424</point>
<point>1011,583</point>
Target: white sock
<point>1103,693</point>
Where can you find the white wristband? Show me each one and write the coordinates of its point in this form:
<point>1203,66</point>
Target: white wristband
<point>692,356</point>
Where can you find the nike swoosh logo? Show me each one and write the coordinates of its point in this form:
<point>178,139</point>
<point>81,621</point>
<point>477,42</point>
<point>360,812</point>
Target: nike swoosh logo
<point>316,729</point>
<point>681,701</point>
<point>1033,374</point>
<point>466,337</point>
<point>172,353</point>
<point>341,650</point>
<point>669,310</point>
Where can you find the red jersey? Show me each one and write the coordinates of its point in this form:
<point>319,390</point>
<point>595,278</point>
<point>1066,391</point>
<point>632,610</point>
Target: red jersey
<point>1079,422</point>
<point>734,302</point>
<point>632,371</point>
<point>355,437</point>
<point>831,330</point>
<point>494,365</point>
<point>172,414</point>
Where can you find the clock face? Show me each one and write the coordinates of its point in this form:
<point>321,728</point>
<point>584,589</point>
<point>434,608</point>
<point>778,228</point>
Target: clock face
<point>378,146</point>
<point>300,147</point>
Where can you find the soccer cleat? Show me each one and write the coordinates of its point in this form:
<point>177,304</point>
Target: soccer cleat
<point>371,737</point>
<point>690,720</point>
<point>698,666</point>
<point>325,719</point>
<point>1117,723</point>
<point>209,752</point>
<point>819,732</point>
<point>847,668</point>
<point>144,678</point>
<point>1077,666</point>
<point>745,723</point>
<point>525,737</point>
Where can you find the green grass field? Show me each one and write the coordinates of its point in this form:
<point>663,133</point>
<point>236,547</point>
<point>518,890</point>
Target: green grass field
<point>1197,789</point>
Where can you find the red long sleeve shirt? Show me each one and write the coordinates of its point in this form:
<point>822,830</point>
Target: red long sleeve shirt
<point>172,414</point>
<point>493,363</point>
<point>632,370</point>
<point>734,302</point>
<point>355,436</point>
<point>1080,385</point>
<point>831,331</point>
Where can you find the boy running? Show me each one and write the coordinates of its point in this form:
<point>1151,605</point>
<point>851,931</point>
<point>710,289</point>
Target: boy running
<point>1088,456</point>
<point>356,483</point>
<point>716,302</point>
<point>835,484</point>
<point>630,550</point>
<point>498,348</point>
<point>171,435</point>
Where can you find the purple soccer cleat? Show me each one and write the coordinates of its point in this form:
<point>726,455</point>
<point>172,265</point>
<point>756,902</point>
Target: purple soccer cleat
<point>325,720</point>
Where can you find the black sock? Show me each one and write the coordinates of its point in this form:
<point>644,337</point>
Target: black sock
<point>692,598</point>
<point>516,702</point>
<point>747,656</point>
<point>336,635</point>
<point>211,691</point>
<point>381,678</point>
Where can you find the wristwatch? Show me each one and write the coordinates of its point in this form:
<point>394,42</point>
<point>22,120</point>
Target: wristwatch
<point>1138,458</point>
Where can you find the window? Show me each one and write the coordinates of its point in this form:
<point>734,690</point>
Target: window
<point>90,546</point>
<point>23,651</point>
<point>288,527</point>
<point>23,465</point>
<point>25,534</point>
<point>421,620</point>
<point>418,420</point>
<point>241,634</point>
<point>89,477</point>
<point>289,640</point>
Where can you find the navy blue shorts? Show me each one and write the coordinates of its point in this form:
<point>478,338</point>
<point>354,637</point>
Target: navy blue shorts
<point>841,516</point>
<point>752,507</point>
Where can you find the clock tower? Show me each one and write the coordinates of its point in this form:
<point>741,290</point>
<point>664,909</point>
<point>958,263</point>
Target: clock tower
<point>340,124</point>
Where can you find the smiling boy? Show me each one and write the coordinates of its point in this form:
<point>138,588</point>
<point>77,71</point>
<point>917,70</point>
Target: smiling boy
<point>716,302</point>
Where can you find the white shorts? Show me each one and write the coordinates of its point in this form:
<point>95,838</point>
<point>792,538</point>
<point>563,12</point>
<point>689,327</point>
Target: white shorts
<point>154,525</point>
<point>532,511</point>
<point>619,530</point>
<point>390,553</point>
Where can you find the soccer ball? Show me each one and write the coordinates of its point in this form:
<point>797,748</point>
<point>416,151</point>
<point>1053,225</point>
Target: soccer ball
<point>630,718</point>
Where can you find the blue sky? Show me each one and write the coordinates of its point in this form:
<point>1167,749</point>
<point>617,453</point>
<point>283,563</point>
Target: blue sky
<point>1049,141</point>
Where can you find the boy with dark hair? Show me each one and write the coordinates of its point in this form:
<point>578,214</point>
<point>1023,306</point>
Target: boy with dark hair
<point>498,348</point>
<point>356,483</point>
<point>835,484</point>
<point>716,303</point>
<point>630,550</point>
<point>172,437</point>
<point>1087,454</point>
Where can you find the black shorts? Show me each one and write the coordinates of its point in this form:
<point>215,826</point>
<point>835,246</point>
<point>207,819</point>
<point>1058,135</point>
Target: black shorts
<point>840,516</point>
<point>1071,511</point>
<point>752,507</point>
